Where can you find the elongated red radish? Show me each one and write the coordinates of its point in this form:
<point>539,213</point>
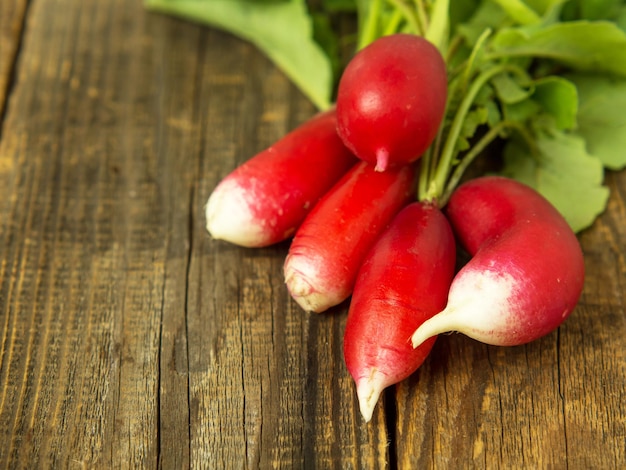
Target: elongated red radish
<point>403,281</point>
<point>328,248</point>
<point>264,200</point>
<point>526,273</point>
<point>391,100</point>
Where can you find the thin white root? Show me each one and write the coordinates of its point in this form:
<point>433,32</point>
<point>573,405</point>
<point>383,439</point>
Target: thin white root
<point>440,323</point>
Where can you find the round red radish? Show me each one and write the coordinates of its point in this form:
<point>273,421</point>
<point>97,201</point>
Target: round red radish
<point>403,281</point>
<point>391,100</point>
<point>264,200</point>
<point>526,273</point>
<point>329,247</point>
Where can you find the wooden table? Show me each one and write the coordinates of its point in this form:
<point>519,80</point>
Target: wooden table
<point>129,338</point>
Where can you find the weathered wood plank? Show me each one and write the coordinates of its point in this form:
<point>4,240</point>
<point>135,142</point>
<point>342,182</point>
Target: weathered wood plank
<point>83,247</point>
<point>12,15</point>
<point>593,345</point>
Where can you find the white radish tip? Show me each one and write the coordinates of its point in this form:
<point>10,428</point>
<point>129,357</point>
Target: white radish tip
<point>303,292</point>
<point>368,390</point>
<point>228,216</point>
<point>480,306</point>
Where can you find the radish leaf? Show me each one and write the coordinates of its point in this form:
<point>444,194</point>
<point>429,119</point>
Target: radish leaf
<point>593,9</point>
<point>601,117</point>
<point>283,30</point>
<point>559,98</point>
<point>510,90</point>
<point>519,11</point>
<point>582,45</point>
<point>563,172</point>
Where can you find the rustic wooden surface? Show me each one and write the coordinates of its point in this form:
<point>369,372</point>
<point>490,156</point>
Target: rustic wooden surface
<point>129,338</point>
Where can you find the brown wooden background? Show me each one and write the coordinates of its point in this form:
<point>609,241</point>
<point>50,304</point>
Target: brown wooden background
<point>128,338</point>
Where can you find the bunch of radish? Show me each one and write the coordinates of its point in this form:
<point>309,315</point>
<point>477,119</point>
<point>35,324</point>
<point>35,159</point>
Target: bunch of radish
<point>343,187</point>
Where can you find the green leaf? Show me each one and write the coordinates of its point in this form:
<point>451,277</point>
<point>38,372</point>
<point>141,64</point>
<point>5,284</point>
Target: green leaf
<point>563,172</point>
<point>620,19</point>
<point>559,98</point>
<point>582,45</point>
<point>545,7</point>
<point>509,88</point>
<point>522,111</point>
<point>592,9</point>
<point>487,16</point>
<point>461,11</point>
<point>494,114</point>
<point>552,99</point>
<point>282,30</point>
<point>339,5</point>
<point>481,112</point>
<point>602,117</point>
<point>475,118</point>
<point>519,11</point>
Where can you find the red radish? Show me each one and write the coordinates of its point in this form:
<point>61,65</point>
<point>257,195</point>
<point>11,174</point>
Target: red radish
<point>526,273</point>
<point>391,100</point>
<point>330,245</point>
<point>263,201</point>
<point>403,281</point>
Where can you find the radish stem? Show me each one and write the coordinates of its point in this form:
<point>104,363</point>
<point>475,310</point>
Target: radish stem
<point>469,67</point>
<point>424,174</point>
<point>371,25</point>
<point>411,19</point>
<point>437,31</point>
<point>444,166</point>
<point>422,16</point>
<point>393,25</point>
<point>475,151</point>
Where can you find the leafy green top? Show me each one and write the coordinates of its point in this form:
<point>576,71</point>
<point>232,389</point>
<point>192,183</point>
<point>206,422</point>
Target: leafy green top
<point>545,77</point>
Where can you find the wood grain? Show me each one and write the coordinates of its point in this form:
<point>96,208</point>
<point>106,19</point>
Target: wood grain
<point>12,19</point>
<point>129,338</point>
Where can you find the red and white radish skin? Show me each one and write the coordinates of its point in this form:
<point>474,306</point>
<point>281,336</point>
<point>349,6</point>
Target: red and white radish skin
<point>264,200</point>
<point>526,273</point>
<point>329,247</point>
<point>391,100</point>
<point>403,281</point>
